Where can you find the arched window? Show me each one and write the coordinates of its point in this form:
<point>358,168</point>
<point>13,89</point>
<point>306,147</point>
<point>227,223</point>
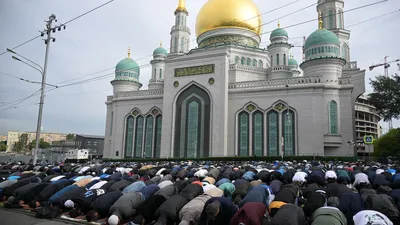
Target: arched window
<point>138,136</point>
<point>192,130</point>
<point>323,19</point>
<point>155,73</point>
<point>176,44</point>
<point>243,131</point>
<point>272,60</point>
<point>129,137</point>
<point>288,132</point>
<point>260,63</point>
<point>254,62</point>
<point>157,139</point>
<point>258,133</point>
<point>331,20</point>
<point>178,20</point>
<point>237,60</point>
<point>284,59</point>
<point>277,59</point>
<point>243,61</point>
<point>333,118</point>
<point>273,133</point>
<point>248,61</point>
<point>148,140</point>
<point>182,44</point>
<point>116,153</point>
<point>111,122</point>
<point>160,73</point>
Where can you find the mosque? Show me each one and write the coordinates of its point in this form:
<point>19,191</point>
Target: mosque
<point>229,97</point>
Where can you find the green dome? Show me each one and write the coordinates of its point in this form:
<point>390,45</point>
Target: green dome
<point>279,32</point>
<point>160,51</point>
<point>292,62</point>
<point>320,37</point>
<point>127,64</point>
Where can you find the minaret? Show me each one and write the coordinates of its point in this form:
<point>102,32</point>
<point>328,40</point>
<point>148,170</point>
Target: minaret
<point>333,20</point>
<point>279,54</point>
<point>180,33</point>
<point>127,73</point>
<point>158,68</point>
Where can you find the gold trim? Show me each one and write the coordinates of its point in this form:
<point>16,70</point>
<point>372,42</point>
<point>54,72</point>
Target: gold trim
<point>195,70</point>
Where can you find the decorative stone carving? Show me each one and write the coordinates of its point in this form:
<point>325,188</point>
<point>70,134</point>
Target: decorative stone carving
<point>176,84</point>
<point>250,108</point>
<point>211,81</point>
<point>279,107</point>
<point>229,39</point>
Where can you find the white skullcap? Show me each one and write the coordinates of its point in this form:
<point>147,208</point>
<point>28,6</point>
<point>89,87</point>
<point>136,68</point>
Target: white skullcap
<point>69,204</point>
<point>113,220</point>
<point>330,174</point>
<point>379,171</point>
<point>299,177</point>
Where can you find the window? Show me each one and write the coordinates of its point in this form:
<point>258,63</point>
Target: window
<point>138,136</point>
<point>155,73</point>
<point>273,133</point>
<point>148,143</point>
<point>193,129</point>
<point>95,143</point>
<point>284,59</point>
<point>339,19</point>
<point>116,153</point>
<point>248,61</point>
<point>182,44</point>
<point>333,118</point>
<point>331,21</point>
<point>176,44</point>
<point>243,131</point>
<point>323,19</point>
<point>260,63</point>
<point>288,132</point>
<point>160,73</point>
<point>272,60</point>
<point>237,60</point>
<point>258,133</point>
<point>345,50</point>
<point>129,136</point>
<point>254,62</point>
<point>178,21</point>
<point>277,59</point>
<point>157,139</point>
<point>88,142</point>
<point>243,61</point>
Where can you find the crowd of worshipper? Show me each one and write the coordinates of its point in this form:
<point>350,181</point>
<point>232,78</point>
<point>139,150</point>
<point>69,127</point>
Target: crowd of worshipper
<point>208,193</point>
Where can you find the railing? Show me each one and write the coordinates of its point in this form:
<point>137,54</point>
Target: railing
<point>156,81</point>
<point>277,82</point>
<point>140,93</point>
<point>280,68</point>
<point>247,68</point>
<point>351,65</point>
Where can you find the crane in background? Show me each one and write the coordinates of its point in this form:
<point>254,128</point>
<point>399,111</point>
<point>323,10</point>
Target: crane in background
<point>386,66</point>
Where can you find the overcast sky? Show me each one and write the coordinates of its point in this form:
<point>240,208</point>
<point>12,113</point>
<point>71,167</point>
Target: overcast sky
<point>97,42</point>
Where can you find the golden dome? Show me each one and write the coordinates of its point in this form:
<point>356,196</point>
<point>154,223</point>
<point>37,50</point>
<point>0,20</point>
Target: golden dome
<point>228,14</point>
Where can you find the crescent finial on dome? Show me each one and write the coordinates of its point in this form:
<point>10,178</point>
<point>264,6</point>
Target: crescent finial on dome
<point>129,51</point>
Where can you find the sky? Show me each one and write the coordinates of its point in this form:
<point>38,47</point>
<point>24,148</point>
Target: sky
<point>97,41</point>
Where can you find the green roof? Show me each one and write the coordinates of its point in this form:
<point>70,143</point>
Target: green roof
<point>160,51</point>
<point>126,65</point>
<point>279,32</point>
<point>320,37</point>
<point>292,62</point>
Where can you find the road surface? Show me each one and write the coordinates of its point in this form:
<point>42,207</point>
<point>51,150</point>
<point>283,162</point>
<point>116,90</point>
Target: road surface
<point>12,217</point>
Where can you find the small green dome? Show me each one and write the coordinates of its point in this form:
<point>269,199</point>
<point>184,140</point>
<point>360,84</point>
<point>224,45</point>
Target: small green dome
<point>160,51</point>
<point>127,64</point>
<point>279,32</point>
<point>320,37</point>
<point>292,62</point>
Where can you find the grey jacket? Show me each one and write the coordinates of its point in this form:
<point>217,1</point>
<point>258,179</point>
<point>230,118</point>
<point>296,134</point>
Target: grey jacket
<point>193,209</point>
<point>125,206</point>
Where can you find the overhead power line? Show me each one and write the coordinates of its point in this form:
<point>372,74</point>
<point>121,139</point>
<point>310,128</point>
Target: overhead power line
<point>69,21</point>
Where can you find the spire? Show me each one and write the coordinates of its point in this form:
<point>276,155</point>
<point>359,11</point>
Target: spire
<point>160,43</point>
<point>291,56</point>
<point>279,24</point>
<point>181,6</point>
<point>129,52</point>
<point>320,22</point>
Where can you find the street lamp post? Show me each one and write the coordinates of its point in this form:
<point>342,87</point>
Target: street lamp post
<point>43,83</point>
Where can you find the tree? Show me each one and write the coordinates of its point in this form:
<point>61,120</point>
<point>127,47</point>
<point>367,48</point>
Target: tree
<point>70,137</point>
<point>386,96</point>
<point>388,144</point>
<point>42,144</point>
<point>3,146</point>
<point>21,144</point>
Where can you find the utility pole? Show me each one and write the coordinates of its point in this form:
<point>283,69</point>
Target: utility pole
<point>47,41</point>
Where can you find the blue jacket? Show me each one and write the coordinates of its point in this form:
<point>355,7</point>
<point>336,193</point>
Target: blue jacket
<point>223,180</point>
<point>149,191</point>
<point>137,186</point>
<point>249,175</point>
<point>59,193</point>
<point>256,194</point>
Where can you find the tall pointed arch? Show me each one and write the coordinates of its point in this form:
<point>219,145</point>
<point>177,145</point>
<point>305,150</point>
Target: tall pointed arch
<point>129,136</point>
<point>192,129</point>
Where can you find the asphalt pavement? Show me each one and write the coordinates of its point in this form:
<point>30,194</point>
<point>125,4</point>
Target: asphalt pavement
<point>14,217</point>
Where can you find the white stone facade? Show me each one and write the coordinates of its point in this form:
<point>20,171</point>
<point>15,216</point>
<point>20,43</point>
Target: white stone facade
<point>236,108</point>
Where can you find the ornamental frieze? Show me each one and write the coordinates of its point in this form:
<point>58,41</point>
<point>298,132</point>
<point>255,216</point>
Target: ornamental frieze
<point>195,70</point>
<point>229,39</point>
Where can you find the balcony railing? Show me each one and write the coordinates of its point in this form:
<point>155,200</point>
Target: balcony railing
<point>140,93</point>
<point>351,65</point>
<point>158,81</point>
<point>247,68</point>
